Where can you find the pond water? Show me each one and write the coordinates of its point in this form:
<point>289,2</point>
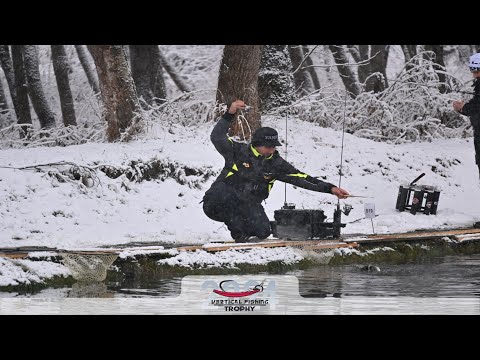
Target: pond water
<point>438,285</point>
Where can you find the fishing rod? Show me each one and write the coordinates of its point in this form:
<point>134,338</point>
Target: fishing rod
<point>337,214</point>
<point>285,205</point>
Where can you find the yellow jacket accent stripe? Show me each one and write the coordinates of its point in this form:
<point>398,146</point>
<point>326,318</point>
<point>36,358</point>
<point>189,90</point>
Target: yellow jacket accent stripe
<point>230,173</point>
<point>300,175</point>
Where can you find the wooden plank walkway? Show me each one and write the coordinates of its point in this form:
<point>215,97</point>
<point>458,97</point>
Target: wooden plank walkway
<point>469,234</point>
<point>19,253</point>
<point>417,235</point>
<point>310,244</point>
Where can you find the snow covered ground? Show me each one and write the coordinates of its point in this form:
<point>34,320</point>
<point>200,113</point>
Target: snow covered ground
<point>37,210</point>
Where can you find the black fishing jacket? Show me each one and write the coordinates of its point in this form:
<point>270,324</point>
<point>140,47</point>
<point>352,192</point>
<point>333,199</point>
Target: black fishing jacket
<point>252,175</point>
<point>472,110</point>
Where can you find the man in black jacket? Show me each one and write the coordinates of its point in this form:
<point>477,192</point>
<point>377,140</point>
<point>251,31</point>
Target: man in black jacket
<point>236,196</point>
<point>472,108</point>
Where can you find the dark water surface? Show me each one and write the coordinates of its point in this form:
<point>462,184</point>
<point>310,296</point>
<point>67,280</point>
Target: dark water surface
<point>438,285</point>
<point>449,276</point>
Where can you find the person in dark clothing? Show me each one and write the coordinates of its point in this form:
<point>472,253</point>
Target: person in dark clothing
<point>235,198</point>
<point>472,107</point>
<point>472,110</point>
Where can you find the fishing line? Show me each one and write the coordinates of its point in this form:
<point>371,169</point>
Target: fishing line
<point>286,153</point>
<point>343,137</point>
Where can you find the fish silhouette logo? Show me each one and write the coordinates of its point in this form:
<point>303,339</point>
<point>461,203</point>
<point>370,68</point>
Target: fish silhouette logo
<point>236,294</point>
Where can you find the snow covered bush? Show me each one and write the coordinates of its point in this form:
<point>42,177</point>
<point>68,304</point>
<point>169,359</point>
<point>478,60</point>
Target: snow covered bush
<point>412,108</point>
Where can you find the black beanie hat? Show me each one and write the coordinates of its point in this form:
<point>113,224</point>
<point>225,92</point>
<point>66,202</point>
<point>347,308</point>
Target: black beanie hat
<point>265,136</point>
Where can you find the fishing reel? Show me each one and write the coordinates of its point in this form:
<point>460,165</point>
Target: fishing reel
<point>346,209</point>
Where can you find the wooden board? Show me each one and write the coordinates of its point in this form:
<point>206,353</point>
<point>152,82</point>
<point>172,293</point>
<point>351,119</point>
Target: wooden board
<point>13,255</point>
<point>416,235</point>
<point>470,234</point>
<point>467,237</point>
<point>308,244</point>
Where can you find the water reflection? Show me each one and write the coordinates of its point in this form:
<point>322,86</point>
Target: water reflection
<point>450,276</point>
<point>90,290</point>
<point>156,288</point>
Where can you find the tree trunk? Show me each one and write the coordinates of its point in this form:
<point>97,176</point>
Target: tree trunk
<point>302,78</point>
<point>157,82</point>
<point>3,98</point>
<point>146,73</point>
<point>464,53</point>
<point>409,51</point>
<point>176,77</point>
<point>140,60</point>
<point>275,80</point>
<point>7,67</point>
<point>372,59</point>
<point>439,59</point>
<point>61,69</point>
<point>126,49</point>
<point>91,77</point>
<point>23,112</point>
<point>35,88</point>
<point>311,69</point>
<point>378,66</point>
<point>346,73</point>
<point>406,53</point>
<point>238,79</point>
<point>364,67</point>
<point>117,89</point>
<point>355,52</point>
<point>413,50</point>
<point>360,54</point>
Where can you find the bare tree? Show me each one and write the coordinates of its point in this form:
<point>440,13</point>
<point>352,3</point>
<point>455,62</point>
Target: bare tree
<point>23,108</point>
<point>61,68</point>
<point>147,73</point>
<point>91,76</point>
<point>7,67</point>
<point>142,72</point>
<point>409,51</point>
<point>3,98</point>
<point>355,52</point>
<point>311,68</point>
<point>377,80</point>
<point>176,77</point>
<point>157,82</point>
<point>364,70</point>
<point>346,73</point>
<point>35,88</point>
<point>275,80</point>
<point>372,65</point>
<point>117,89</point>
<point>238,79</point>
<point>303,80</point>
<point>439,59</point>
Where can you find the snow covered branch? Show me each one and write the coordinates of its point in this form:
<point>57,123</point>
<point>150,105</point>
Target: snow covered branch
<point>412,108</point>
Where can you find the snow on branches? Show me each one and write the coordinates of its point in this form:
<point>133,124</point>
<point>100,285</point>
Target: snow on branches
<point>412,108</point>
